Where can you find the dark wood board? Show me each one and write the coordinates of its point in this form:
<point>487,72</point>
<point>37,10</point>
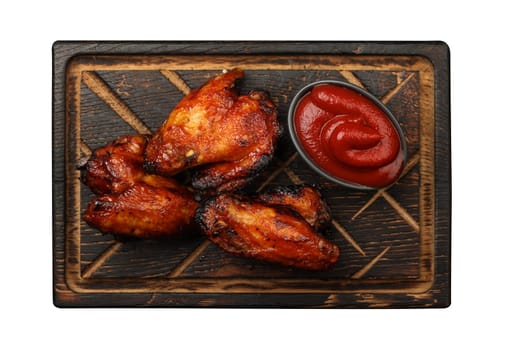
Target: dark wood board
<point>395,242</point>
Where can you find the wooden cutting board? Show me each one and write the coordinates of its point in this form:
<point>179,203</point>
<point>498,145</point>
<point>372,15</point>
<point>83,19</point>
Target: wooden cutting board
<point>395,242</point>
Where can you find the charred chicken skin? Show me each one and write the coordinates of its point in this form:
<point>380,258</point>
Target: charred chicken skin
<point>304,199</point>
<point>130,201</point>
<point>234,136</point>
<point>143,211</point>
<point>118,165</point>
<point>270,233</point>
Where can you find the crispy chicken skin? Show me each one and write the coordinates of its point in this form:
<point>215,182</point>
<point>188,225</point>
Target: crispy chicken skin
<point>270,233</point>
<point>143,211</point>
<point>304,199</point>
<point>118,165</point>
<point>234,136</point>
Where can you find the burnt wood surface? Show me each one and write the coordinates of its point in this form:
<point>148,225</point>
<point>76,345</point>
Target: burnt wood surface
<point>395,242</point>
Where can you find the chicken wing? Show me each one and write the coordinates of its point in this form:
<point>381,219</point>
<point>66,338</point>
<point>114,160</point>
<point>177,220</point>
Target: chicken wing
<point>118,165</point>
<point>304,199</point>
<point>143,211</point>
<point>234,135</point>
<point>269,233</point>
<point>131,201</point>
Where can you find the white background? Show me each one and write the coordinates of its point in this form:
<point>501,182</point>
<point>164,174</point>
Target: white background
<point>472,31</point>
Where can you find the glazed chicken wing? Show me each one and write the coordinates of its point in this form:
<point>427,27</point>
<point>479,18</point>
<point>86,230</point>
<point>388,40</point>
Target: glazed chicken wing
<point>304,199</point>
<point>143,211</point>
<point>115,166</point>
<point>118,165</point>
<point>269,233</point>
<point>132,202</point>
<point>234,135</point>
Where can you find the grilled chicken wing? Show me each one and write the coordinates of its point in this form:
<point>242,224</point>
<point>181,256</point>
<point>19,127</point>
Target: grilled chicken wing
<point>115,166</point>
<point>118,165</point>
<point>234,135</point>
<point>270,233</point>
<point>143,210</point>
<point>132,202</point>
<point>304,199</point>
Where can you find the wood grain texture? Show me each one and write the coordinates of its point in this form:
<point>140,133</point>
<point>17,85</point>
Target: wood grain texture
<point>395,243</point>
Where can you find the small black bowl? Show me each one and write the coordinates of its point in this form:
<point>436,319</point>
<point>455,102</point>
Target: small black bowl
<point>294,137</point>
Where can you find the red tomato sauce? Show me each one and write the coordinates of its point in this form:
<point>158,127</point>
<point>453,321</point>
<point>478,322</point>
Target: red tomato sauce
<point>349,136</point>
